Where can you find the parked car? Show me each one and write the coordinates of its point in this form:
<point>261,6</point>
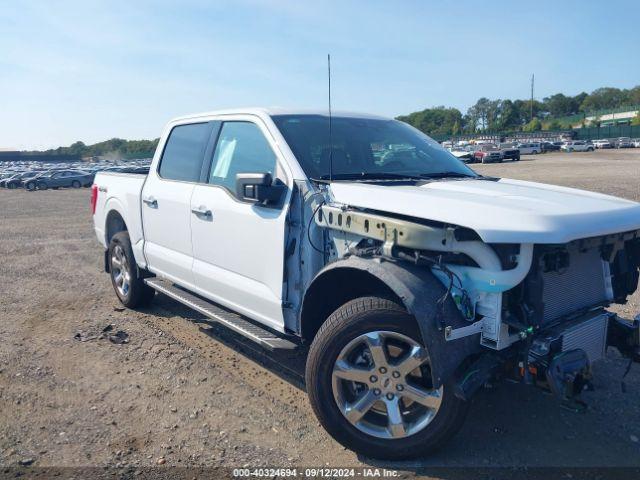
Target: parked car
<point>602,143</point>
<point>15,181</point>
<point>550,147</point>
<point>415,281</point>
<point>529,148</point>
<point>624,142</point>
<point>578,146</point>
<point>64,178</point>
<point>463,153</point>
<point>636,142</point>
<point>488,153</point>
<point>30,181</point>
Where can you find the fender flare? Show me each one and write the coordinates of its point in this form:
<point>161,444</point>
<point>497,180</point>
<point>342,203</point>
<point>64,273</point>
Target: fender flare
<point>418,290</point>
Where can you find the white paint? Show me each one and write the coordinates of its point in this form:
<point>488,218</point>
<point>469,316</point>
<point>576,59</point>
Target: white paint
<point>505,211</point>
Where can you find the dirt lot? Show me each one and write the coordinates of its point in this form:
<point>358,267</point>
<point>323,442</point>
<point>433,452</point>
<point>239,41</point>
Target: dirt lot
<point>184,393</point>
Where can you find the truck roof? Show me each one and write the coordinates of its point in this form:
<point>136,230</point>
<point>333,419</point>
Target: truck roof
<point>270,111</point>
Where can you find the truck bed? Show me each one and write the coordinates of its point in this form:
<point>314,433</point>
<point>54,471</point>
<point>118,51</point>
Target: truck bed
<point>120,192</point>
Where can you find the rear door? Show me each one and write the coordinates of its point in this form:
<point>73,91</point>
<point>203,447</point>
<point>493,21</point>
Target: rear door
<point>166,202</point>
<point>238,247</point>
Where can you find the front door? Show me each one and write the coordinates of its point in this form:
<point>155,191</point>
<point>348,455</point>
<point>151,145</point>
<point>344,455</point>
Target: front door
<point>238,247</point>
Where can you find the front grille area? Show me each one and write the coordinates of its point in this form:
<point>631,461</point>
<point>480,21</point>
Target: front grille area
<point>581,284</point>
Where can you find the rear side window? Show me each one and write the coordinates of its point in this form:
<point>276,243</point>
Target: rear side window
<point>241,148</point>
<point>184,151</point>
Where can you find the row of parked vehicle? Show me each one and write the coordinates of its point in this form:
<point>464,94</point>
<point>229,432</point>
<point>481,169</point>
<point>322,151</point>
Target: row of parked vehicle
<point>491,152</point>
<point>621,142</point>
<point>34,176</point>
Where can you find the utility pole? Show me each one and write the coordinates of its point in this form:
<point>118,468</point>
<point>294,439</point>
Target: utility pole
<point>532,80</point>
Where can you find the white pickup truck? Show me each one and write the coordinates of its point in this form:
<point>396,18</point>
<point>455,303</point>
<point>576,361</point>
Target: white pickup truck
<point>411,279</point>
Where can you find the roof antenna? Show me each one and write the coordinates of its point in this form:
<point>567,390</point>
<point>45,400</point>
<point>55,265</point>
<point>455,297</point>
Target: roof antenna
<point>330,133</point>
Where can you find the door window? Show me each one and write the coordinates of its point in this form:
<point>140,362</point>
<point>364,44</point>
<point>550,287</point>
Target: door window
<point>241,148</point>
<point>184,151</point>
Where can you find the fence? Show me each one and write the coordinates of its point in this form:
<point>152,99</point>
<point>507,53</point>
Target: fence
<point>610,131</point>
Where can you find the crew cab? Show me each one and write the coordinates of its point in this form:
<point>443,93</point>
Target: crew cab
<point>411,280</point>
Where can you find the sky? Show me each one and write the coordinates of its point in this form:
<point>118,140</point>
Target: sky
<point>93,70</point>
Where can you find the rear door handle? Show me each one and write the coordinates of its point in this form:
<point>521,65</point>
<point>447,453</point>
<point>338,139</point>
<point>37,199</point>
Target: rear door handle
<point>202,211</point>
<point>152,202</point>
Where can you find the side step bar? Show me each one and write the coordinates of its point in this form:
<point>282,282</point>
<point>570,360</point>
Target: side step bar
<point>229,319</point>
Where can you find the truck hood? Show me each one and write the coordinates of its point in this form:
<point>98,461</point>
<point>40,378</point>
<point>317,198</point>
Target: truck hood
<point>503,211</point>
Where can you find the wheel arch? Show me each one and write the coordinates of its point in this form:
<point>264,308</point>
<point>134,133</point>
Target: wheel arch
<point>413,287</point>
<point>114,223</point>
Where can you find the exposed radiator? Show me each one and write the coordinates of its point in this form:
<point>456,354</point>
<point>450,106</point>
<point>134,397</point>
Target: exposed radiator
<point>583,283</point>
<point>589,335</point>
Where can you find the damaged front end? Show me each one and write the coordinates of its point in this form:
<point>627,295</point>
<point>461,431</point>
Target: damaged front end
<point>538,310</point>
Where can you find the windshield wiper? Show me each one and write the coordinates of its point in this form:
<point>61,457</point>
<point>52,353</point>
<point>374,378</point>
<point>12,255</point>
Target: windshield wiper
<point>371,176</point>
<point>449,175</point>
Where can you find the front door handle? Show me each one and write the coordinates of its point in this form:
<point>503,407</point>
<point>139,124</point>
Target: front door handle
<point>150,201</point>
<point>202,211</point>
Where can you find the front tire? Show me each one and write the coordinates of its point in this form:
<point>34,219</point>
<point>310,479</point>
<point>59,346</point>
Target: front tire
<point>76,184</point>
<point>369,383</point>
<point>31,186</point>
<point>126,277</point>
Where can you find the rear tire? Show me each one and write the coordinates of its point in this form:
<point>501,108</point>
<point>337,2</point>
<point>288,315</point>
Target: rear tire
<point>432,420</point>
<point>127,279</point>
<point>30,186</point>
<point>76,184</point>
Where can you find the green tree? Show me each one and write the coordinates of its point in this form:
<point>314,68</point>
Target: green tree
<point>554,125</point>
<point>636,120</point>
<point>606,97</point>
<point>535,125</point>
<point>434,121</point>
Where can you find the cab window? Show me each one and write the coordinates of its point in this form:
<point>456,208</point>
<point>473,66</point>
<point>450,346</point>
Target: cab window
<point>241,148</point>
<point>184,152</point>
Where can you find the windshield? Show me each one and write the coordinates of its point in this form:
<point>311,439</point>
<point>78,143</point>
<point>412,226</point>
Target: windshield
<point>365,147</point>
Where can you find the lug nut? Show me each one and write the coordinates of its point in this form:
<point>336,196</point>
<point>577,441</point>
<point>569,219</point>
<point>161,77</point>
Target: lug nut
<point>373,379</point>
<point>376,391</point>
<point>390,396</point>
<point>383,370</point>
<point>395,374</point>
<point>399,387</point>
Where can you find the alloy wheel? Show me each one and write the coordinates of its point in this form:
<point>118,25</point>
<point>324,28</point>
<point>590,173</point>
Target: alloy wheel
<point>120,270</point>
<point>382,384</point>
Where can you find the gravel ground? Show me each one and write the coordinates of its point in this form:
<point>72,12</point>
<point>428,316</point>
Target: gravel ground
<point>184,393</point>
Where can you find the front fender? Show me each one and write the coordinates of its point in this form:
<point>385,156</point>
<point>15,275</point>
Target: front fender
<point>419,291</point>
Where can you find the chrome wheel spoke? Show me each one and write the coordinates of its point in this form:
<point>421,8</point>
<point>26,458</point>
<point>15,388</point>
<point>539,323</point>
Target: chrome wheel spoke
<point>375,344</point>
<point>355,411</point>
<point>428,398</point>
<point>394,414</point>
<point>417,356</point>
<point>344,371</point>
<point>115,261</point>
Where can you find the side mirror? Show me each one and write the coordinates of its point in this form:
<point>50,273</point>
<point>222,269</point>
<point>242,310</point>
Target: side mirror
<point>259,188</point>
